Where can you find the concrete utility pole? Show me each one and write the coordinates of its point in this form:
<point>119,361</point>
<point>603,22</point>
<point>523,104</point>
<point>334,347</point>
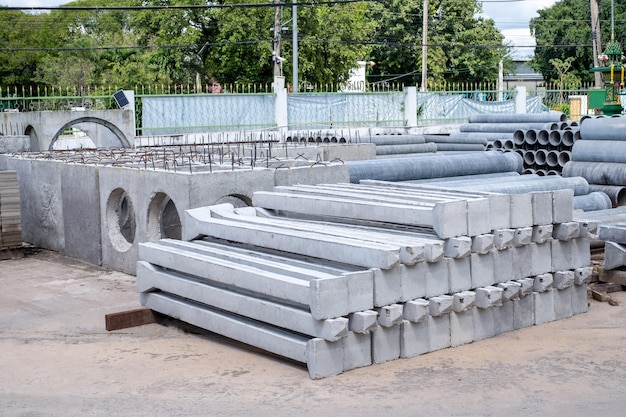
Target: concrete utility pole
<point>294,17</point>
<point>596,39</point>
<point>424,46</point>
<point>277,39</point>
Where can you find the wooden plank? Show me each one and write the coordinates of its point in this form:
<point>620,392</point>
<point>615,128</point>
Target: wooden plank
<point>130,318</point>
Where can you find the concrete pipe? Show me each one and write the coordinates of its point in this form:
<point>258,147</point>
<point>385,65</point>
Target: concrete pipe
<point>470,147</point>
<point>576,135</point>
<point>607,173</point>
<point>404,169</point>
<point>552,159</point>
<point>542,172</point>
<point>529,157</point>
<point>470,136</point>
<point>526,185</point>
<point>490,146</point>
<point>456,138</point>
<point>396,139</point>
<point>603,128</point>
<point>498,127</point>
<point>594,201</point>
<point>541,156</point>
<point>543,138</point>
<point>599,150</point>
<point>519,137</point>
<point>554,138</point>
<point>530,138</point>
<point>567,139</point>
<point>497,176</point>
<point>550,126</point>
<point>553,172</point>
<point>497,144</point>
<point>616,193</point>
<point>410,148</point>
<point>508,144</point>
<point>543,117</point>
<point>529,171</point>
<point>564,157</point>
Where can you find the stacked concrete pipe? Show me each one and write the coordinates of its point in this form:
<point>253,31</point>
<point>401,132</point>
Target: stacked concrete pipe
<point>600,156</point>
<point>342,276</point>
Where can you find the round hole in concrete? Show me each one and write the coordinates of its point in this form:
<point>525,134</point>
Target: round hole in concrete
<point>237,200</point>
<point>163,219</point>
<point>121,222</point>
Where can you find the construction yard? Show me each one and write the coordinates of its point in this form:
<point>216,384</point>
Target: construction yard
<point>58,360</point>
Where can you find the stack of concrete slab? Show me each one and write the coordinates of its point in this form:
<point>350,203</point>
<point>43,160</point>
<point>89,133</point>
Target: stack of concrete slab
<point>10,218</point>
<point>348,275</point>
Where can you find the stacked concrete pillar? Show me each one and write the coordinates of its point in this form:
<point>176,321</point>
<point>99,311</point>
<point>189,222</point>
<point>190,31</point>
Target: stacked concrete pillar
<point>347,275</point>
<point>10,212</point>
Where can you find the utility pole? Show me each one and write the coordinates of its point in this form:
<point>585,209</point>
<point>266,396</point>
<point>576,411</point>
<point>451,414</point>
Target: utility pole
<point>277,39</point>
<point>424,46</point>
<point>294,18</point>
<point>596,39</point>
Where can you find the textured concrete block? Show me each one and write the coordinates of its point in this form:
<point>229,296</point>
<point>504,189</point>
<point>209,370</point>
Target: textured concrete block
<point>414,281</point>
<point>589,229</point>
<point>563,303</point>
<point>562,206</point>
<point>503,265</point>
<point>543,282</point>
<point>527,285</point>
<point>457,247</point>
<point>582,276</point>
<point>360,290</point>
<point>478,221</point>
<point>499,211</point>
<point>324,358</point>
<point>540,258</point>
<point>566,231</point>
<point>523,313</point>
<point>523,236</point>
<point>439,332</point>
<point>357,350</point>
<point>440,305</point>
<point>510,290</point>
<point>484,323</point>
<point>390,315</point>
<point>482,269</point>
<point>488,297</point>
<point>614,255</point>
<point>461,328</point>
<point>504,318</point>
<point>459,274</point>
<point>522,263</point>
<point>561,254</point>
<point>503,238</point>
<point>482,243</point>
<point>580,252</point>
<point>363,321</point>
<point>385,344</point>
<point>434,251</point>
<point>416,310</point>
<point>542,233</point>
<point>542,207</point>
<point>521,210</point>
<point>464,300</point>
<point>543,306</point>
<point>614,232</point>
<point>563,279</point>
<point>436,278</point>
<point>580,303</point>
<point>388,285</point>
<point>414,339</point>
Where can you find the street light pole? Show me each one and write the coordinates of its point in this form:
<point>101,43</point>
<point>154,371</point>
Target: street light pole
<point>424,46</point>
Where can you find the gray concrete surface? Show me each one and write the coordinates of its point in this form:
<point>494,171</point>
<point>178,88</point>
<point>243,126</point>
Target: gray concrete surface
<point>58,360</point>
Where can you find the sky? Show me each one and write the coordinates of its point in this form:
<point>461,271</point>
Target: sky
<point>510,16</point>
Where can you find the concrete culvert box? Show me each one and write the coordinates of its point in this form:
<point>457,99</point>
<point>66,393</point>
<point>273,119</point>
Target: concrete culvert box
<point>120,220</point>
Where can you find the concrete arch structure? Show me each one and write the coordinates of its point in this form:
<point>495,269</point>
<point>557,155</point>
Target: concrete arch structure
<point>107,128</point>
<point>100,140</point>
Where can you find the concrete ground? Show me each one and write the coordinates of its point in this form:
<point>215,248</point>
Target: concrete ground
<point>57,359</point>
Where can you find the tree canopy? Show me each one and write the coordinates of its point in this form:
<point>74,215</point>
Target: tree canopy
<point>151,42</point>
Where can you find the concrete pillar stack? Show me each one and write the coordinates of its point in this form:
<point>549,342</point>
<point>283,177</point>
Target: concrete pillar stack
<point>348,275</point>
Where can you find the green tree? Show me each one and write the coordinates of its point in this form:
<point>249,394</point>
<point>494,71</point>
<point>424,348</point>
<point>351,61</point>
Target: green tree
<point>563,31</point>
<point>462,46</point>
<point>18,59</point>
